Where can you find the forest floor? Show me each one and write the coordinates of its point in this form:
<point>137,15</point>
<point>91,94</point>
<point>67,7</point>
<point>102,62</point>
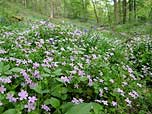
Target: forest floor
<point>73,67</point>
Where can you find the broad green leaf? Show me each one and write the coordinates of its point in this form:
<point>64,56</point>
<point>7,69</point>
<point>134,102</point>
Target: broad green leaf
<point>34,112</point>
<point>65,107</point>
<point>45,91</point>
<point>47,101</point>
<point>45,75</point>
<point>57,72</point>
<point>53,101</point>
<point>59,91</point>
<point>1,66</point>
<point>16,69</point>
<point>47,70</point>
<point>83,108</point>
<point>6,68</point>
<point>1,109</point>
<point>57,112</point>
<point>83,78</point>
<point>10,111</point>
<point>38,89</point>
<point>97,108</point>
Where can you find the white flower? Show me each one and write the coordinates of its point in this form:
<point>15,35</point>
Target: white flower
<point>105,102</point>
<point>128,101</point>
<point>114,103</point>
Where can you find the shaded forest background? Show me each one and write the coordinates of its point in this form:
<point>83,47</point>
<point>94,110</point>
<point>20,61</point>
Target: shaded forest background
<point>99,11</point>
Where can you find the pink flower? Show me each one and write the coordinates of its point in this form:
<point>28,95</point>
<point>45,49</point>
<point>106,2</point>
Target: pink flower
<point>1,103</point>
<point>45,107</point>
<point>104,102</point>
<point>77,101</point>
<point>134,94</point>
<point>23,94</point>
<point>111,80</point>
<point>139,85</point>
<point>98,101</point>
<point>81,73</point>
<point>65,79</point>
<point>11,98</point>
<point>30,106</point>
<point>36,74</point>
<point>2,89</point>
<point>114,103</point>
<point>94,56</point>
<point>100,92</point>
<point>130,70</point>
<point>32,99</point>
<point>128,101</point>
<point>36,65</point>
<point>90,82</point>
<point>120,91</point>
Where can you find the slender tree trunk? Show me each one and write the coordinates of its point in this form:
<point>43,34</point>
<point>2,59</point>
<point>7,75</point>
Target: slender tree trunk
<point>64,6</point>
<point>52,9</point>
<point>95,11</point>
<point>134,9</point>
<point>116,11</point>
<point>25,3</point>
<point>150,18</point>
<point>130,9</point>
<point>109,17</point>
<point>119,10</point>
<point>124,5</point>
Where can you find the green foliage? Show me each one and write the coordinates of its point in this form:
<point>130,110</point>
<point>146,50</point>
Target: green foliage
<point>10,111</point>
<point>70,71</point>
<point>53,101</point>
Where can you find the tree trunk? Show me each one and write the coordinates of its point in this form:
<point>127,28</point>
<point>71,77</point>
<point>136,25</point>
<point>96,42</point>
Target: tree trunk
<point>52,9</point>
<point>130,9</point>
<point>119,9</point>
<point>134,9</point>
<point>116,14</point>
<point>124,5</point>
<point>109,16</point>
<point>95,11</point>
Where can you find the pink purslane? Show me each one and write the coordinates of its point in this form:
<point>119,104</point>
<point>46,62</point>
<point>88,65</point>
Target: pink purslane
<point>36,65</point>
<point>45,107</point>
<point>65,79</point>
<point>32,99</point>
<point>77,101</point>
<point>2,89</point>
<point>11,97</point>
<point>30,106</point>
<point>23,95</point>
<point>114,103</point>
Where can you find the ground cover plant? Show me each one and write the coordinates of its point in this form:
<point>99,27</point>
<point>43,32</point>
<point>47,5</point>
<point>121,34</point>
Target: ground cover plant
<point>56,69</point>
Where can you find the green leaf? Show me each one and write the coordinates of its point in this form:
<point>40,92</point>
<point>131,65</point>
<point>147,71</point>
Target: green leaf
<point>6,68</point>
<point>16,69</point>
<point>1,66</point>
<point>38,89</point>
<point>10,111</point>
<point>57,72</point>
<point>97,108</point>
<point>65,107</point>
<point>45,91</point>
<point>47,70</point>
<point>45,75</point>
<point>83,108</point>
<point>83,78</point>
<point>53,101</point>
<point>47,101</point>
<point>59,91</point>
<point>1,109</point>
<point>34,112</point>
